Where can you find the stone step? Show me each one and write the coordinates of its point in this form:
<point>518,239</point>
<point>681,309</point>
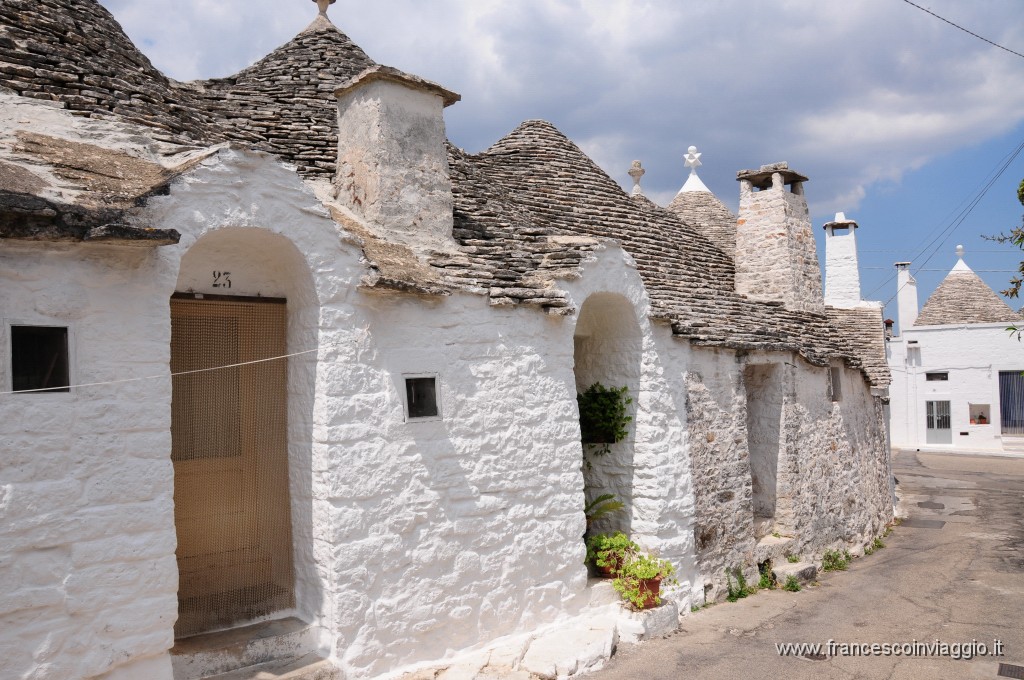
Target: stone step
<point>210,655</point>
<point>309,667</point>
<point>805,572</point>
<point>774,548</point>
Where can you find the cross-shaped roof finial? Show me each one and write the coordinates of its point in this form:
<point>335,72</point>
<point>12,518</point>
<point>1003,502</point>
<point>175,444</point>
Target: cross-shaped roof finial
<point>323,5</point>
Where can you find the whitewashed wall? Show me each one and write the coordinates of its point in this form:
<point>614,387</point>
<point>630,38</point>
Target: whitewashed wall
<point>86,535</point>
<point>973,355</point>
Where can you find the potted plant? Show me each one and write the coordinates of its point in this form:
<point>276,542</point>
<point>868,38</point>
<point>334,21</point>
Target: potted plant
<point>640,578</point>
<point>607,552</point>
<point>603,416</point>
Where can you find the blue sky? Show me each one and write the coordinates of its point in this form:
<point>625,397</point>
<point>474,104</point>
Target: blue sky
<point>898,118</point>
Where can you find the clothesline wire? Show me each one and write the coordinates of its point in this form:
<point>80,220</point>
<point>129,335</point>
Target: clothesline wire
<point>163,376</point>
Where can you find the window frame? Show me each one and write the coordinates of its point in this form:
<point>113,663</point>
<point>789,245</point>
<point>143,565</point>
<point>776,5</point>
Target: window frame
<point>437,397</point>
<point>944,376</point>
<point>7,362</point>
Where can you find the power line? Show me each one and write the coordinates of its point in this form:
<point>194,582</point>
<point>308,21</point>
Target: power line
<point>968,32</point>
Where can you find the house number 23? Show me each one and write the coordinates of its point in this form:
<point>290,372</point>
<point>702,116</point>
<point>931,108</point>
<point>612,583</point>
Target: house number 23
<point>221,279</point>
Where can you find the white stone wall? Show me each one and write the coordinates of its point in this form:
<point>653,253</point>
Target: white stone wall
<point>88,552</point>
<point>86,533</point>
<point>973,355</point>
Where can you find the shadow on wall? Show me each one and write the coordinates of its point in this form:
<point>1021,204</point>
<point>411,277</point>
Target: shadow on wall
<point>608,350</point>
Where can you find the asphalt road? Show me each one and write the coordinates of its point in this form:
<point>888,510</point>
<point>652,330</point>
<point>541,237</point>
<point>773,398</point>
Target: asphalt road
<point>957,583</point>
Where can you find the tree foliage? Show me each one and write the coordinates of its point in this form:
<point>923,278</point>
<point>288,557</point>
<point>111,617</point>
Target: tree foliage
<point>1016,237</point>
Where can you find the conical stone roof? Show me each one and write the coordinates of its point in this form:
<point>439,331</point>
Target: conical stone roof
<point>74,52</point>
<point>963,297</point>
<point>285,102</point>
<point>708,214</point>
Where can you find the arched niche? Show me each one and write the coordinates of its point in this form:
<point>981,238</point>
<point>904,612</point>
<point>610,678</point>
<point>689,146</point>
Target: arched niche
<point>607,350</point>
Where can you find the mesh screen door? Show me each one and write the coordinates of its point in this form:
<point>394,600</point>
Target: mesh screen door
<point>230,453</point>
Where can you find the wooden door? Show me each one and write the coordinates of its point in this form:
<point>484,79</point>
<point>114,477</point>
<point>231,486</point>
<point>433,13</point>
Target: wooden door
<point>230,453</point>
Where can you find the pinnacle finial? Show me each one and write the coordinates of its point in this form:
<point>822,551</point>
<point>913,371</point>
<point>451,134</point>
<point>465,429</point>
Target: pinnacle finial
<point>636,171</point>
<point>693,159</point>
<point>323,5</point>
<point>960,252</point>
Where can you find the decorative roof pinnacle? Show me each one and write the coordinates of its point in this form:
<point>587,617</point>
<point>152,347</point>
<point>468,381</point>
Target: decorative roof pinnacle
<point>692,158</point>
<point>323,5</point>
<point>693,182</point>
<point>636,171</point>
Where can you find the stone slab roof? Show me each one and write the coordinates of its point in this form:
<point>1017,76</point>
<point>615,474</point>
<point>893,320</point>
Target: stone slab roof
<point>962,298</point>
<point>535,190</point>
<point>703,210</point>
<point>284,103</point>
<point>74,53</point>
<point>528,212</point>
<point>863,328</point>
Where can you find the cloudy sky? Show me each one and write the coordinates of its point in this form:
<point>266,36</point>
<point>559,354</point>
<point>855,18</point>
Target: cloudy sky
<point>898,118</point>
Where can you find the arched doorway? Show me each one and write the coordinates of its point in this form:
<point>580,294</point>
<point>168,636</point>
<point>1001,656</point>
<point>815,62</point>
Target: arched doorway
<point>607,351</point>
<point>235,316</point>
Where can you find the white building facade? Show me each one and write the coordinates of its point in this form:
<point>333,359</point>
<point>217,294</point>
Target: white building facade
<point>956,370</point>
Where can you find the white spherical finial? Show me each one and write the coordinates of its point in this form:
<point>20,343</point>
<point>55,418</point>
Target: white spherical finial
<point>960,252</point>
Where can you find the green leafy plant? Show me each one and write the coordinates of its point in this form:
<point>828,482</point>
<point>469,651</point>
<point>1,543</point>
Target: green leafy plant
<point>637,571</point>
<point>792,559</point>
<point>767,581</point>
<point>602,505</point>
<point>835,560</point>
<point>791,585</point>
<point>877,544</point>
<point>610,551</point>
<point>603,416</point>
<point>869,550</point>
<point>740,590</point>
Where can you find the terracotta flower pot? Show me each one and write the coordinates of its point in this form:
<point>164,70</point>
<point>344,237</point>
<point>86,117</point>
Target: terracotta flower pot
<point>610,571</point>
<point>651,589</point>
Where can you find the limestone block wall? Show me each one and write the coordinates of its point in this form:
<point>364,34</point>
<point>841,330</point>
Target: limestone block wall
<point>833,480</point>
<point>86,529</point>
<point>776,258</point>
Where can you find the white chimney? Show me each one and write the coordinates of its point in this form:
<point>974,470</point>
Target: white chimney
<point>906,296</point>
<point>842,271</point>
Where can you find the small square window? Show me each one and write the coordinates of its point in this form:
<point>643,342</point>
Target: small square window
<point>932,377</point>
<point>421,397</point>
<point>39,358</point>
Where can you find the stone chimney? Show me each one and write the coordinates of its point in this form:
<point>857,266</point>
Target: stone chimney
<point>392,162</point>
<point>906,296</point>
<point>775,253</point>
<point>842,272</point>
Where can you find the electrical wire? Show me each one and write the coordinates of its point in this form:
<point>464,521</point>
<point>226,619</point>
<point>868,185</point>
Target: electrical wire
<point>969,32</point>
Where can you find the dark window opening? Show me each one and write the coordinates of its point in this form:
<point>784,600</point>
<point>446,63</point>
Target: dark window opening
<point>836,384</point>
<point>39,358</point>
<point>931,377</point>
<point>421,397</point>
